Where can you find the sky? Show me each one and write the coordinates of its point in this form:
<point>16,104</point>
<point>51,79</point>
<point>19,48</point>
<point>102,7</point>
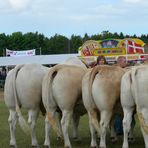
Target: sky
<point>77,17</point>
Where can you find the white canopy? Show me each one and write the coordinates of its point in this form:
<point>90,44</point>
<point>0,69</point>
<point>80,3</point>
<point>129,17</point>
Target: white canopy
<point>39,59</point>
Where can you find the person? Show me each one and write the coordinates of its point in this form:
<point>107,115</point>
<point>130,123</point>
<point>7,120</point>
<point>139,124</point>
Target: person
<point>121,61</point>
<point>101,60</point>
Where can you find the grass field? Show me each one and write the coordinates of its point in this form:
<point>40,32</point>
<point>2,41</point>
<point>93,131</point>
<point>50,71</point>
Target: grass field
<point>24,141</point>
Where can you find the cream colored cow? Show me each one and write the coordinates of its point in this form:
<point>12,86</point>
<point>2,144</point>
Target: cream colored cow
<point>101,93</point>
<point>61,89</point>
<point>134,92</point>
<point>23,89</point>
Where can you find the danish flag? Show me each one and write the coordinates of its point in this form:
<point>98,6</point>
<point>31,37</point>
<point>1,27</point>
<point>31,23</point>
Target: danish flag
<point>133,47</point>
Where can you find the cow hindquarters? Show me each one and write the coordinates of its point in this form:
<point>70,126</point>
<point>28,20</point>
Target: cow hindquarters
<point>12,123</point>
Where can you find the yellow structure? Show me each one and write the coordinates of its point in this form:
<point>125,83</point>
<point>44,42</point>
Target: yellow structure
<point>112,48</point>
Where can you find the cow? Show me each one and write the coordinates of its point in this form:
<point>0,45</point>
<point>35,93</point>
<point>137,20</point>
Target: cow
<point>76,61</point>
<point>23,83</point>
<point>23,89</point>
<point>101,93</point>
<point>134,94</point>
<point>61,90</point>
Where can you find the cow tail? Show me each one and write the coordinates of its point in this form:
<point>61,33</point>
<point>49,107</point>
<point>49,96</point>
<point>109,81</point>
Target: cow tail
<point>22,122</point>
<point>92,75</point>
<point>139,113</point>
<point>48,99</point>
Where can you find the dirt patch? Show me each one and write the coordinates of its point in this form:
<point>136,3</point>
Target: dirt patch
<point>1,94</point>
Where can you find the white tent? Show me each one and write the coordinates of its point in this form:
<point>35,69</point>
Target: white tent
<point>39,59</point>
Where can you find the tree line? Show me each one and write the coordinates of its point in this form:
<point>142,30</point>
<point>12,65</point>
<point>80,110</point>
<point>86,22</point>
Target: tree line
<point>57,44</point>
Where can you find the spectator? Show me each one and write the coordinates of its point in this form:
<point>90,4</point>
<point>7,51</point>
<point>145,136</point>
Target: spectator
<point>101,60</point>
<point>121,61</point>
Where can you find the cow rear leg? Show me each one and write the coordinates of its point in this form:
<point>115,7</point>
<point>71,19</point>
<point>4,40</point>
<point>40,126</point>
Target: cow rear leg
<point>104,123</point>
<point>144,125</point>
<point>48,128</point>
<point>66,116</point>
<point>145,136</point>
<point>131,138</point>
<point>128,112</point>
<point>75,122</point>
<point>94,126</point>
<point>47,131</point>
<point>32,119</point>
<point>59,117</point>
<point>12,124</point>
<point>113,135</point>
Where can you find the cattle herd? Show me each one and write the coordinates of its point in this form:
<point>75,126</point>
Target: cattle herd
<point>68,91</point>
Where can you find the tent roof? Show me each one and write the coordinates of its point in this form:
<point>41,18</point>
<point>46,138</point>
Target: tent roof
<point>39,59</point>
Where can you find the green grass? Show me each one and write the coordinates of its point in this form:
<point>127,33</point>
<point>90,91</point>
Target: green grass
<point>24,141</point>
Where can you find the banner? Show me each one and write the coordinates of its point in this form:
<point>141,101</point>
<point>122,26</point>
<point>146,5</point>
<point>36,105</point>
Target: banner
<point>12,53</point>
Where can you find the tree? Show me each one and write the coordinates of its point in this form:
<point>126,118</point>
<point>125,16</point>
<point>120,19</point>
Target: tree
<point>15,41</point>
<point>75,43</point>
<point>58,44</point>
<point>3,43</point>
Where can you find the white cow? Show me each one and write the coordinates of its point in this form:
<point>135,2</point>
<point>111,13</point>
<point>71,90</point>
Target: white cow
<point>75,61</point>
<point>61,89</point>
<point>134,92</point>
<point>28,79</point>
<point>101,93</point>
<point>23,88</point>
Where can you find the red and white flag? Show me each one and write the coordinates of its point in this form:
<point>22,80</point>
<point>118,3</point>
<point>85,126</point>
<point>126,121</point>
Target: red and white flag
<point>133,47</point>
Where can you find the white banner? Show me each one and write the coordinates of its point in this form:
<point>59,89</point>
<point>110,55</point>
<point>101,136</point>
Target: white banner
<point>12,53</point>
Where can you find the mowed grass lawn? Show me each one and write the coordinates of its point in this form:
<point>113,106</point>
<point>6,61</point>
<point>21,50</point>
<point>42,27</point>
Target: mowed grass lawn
<point>24,141</point>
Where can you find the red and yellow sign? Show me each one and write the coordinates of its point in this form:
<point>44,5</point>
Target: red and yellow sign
<point>112,47</point>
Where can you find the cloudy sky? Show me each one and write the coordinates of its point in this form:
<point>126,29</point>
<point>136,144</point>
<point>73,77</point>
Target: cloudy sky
<point>67,17</point>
